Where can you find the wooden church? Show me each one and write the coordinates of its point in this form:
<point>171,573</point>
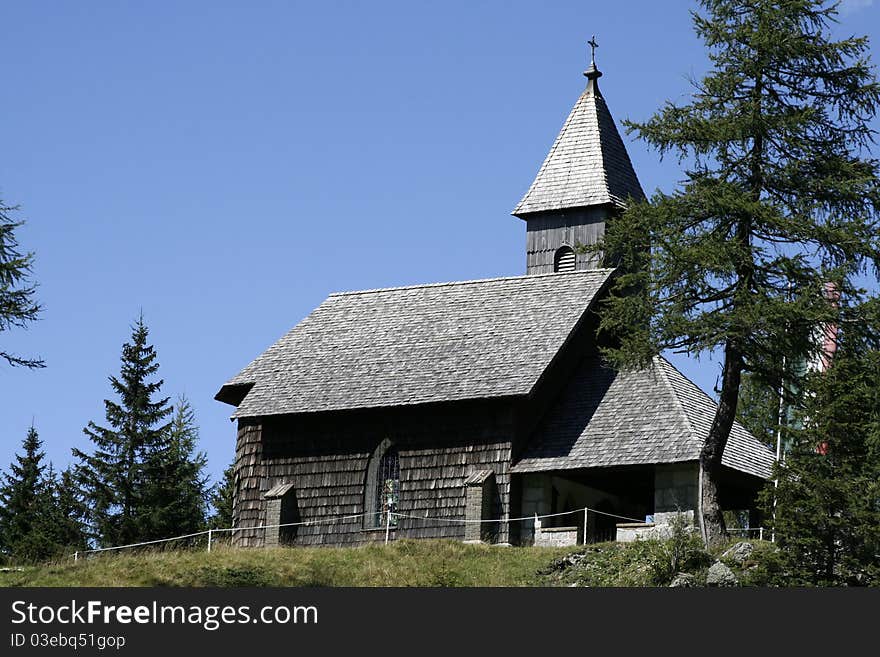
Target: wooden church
<point>411,410</point>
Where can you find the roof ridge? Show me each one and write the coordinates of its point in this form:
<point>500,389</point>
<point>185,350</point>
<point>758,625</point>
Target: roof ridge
<point>663,372</point>
<point>474,281</point>
<point>706,396</point>
<point>602,140</point>
<point>604,136</point>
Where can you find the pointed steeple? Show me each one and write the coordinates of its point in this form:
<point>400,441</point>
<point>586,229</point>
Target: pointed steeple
<point>588,164</point>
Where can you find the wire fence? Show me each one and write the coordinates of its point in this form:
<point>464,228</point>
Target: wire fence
<point>747,532</point>
<point>209,539</point>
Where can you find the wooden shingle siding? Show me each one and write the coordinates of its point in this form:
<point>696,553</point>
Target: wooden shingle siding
<point>326,455</point>
<point>250,484</point>
<point>546,233</point>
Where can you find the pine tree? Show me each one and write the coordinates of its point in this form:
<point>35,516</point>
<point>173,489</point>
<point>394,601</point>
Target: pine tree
<point>65,527</point>
<point>20,497</point>
<point>122,501</point>
<point>779,198</point>
<point>826,514</point>
<point>17,305</point>
<point>221,500</point>
<point>175,477</point>
<point>28,511</point>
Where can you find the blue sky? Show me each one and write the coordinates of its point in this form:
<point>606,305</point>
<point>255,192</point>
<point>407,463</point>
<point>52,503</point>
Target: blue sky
<point>223,166</point>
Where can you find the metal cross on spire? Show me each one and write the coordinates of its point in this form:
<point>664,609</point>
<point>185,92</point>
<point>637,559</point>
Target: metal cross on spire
<point>593,45</point>
<point>593,73</point>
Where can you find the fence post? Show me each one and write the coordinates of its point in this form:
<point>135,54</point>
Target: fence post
<point>760,533</point>
<point>387,524</point>
<point>586,511</point>
<point>76,556</point>
<point>209,540</point>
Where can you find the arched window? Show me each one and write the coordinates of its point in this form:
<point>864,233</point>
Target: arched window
<point>564,260</point>
<point>382,489</point>
<point>388,487</point>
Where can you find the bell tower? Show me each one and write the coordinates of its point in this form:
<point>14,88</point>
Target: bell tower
<point>586,178</point>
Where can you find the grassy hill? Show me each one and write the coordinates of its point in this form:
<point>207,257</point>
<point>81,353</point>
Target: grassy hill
<point>402,563</point>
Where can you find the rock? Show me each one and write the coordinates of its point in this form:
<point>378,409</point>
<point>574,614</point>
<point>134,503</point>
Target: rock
<point>739,552</point>
<point>721,575</point>
<point>573,560</point>
<point>684,580</point>
<point>564,563</point>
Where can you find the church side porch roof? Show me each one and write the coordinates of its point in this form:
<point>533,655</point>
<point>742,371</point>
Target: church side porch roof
<point>656,415</point>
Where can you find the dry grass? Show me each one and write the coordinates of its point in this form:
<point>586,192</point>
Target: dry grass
<point>402,563</point>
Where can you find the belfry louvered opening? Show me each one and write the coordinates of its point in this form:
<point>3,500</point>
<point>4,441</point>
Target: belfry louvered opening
<point>564,260</point>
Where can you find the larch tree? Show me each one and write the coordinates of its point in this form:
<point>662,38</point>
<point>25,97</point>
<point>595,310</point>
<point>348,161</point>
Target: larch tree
<point>18,306</point>
<point>780,197</point>
<point>759,410</point>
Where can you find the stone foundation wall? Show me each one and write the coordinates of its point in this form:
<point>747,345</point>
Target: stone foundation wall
<point>555,536</point>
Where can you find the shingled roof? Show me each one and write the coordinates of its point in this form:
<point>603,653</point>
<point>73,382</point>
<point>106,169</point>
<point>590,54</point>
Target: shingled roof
<point>588,163</point>
<point>413,345</point>
<point>655,415</point>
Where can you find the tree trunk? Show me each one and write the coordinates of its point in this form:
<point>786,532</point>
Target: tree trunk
<point>713,527</point>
